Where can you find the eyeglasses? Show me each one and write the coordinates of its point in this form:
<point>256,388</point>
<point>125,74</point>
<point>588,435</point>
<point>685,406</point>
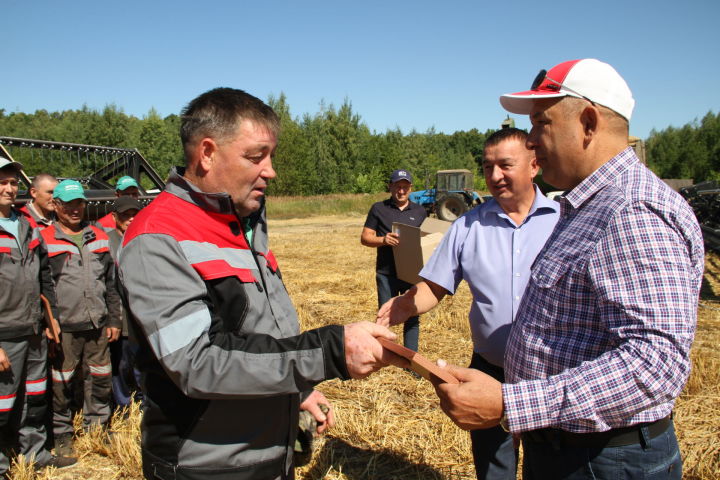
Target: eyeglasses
<point>555,85</point>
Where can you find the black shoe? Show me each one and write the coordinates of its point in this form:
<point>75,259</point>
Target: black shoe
<point>57,462</point>
<point>64,445</point>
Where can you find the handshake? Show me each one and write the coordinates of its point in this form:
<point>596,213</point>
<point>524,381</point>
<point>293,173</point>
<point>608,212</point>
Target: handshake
<point>471,398</point>
<point>371,346</point>
<point>363,357</point>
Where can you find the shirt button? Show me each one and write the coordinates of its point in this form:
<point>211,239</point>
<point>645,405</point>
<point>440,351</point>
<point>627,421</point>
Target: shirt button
<point>517,274</point>
<point>517,251</point>
<point>517,297</point>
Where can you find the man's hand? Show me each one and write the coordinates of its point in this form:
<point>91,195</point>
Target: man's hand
<point>391,239</point>
<point>397,310</point>
<point>420,298</point>
<point>363,353</point>
<point>312,404</point>
<point>4,361</point>
<point>112,334</point>
<point>475,403</point>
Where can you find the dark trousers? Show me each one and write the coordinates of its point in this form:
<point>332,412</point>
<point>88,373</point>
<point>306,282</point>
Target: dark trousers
<point>389,287</point>
<point>87,353</point>
<point>125,377</point>
<point>494,455</point>
<point>23,399</point>
<point>651,458</point>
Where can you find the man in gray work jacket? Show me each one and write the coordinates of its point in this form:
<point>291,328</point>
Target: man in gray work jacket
<point>89,312</point>
<point>225,367</point>
<point>24,276</point>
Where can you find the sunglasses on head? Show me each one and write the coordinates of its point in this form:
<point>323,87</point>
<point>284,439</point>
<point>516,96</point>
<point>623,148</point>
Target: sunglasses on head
<point>555,85</point>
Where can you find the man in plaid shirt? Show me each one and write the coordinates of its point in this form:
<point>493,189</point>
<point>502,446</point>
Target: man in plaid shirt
<point>600,347</point>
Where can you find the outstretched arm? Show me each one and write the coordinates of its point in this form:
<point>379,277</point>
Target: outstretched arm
<point>421,298</point>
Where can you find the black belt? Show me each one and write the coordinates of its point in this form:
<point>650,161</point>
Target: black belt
<point>616,437</point>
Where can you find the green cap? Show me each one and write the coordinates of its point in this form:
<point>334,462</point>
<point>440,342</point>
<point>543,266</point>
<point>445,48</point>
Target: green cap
<point>126,182</point>
<point>69,190</point>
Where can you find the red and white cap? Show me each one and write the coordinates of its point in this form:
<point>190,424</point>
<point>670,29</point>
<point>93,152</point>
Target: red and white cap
<point>588,78</point>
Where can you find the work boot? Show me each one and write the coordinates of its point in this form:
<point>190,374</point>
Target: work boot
<point>57,462</point>
<point>64,445</point>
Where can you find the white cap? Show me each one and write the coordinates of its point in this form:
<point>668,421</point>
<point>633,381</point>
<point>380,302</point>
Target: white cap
<point>587,78</point>
<point>4,162</point>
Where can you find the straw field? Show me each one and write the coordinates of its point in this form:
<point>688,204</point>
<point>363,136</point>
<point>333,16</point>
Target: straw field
<point>389,426</point>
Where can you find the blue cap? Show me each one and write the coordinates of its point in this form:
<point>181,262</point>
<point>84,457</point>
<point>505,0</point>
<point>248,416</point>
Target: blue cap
<point>398,175</point>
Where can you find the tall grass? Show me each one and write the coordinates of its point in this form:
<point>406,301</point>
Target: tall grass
<point>279,208</point>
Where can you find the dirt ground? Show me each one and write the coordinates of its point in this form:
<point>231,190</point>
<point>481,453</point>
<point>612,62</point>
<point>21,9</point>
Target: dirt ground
<point>389,426</point>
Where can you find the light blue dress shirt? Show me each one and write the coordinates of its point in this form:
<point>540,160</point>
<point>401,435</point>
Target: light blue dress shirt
<point>493,255</point>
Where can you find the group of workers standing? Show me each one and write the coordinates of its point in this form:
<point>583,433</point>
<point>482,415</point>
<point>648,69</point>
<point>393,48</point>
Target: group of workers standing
<point>48,248</point>
<point>582,318</point>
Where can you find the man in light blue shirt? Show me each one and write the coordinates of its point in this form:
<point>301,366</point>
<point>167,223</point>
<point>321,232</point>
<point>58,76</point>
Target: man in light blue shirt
<point>492,248</point>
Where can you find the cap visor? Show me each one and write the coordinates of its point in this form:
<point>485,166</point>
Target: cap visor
<point>69,197</point>
<point>521,102</point>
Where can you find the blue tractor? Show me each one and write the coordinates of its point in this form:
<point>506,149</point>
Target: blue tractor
<point>452,196</point>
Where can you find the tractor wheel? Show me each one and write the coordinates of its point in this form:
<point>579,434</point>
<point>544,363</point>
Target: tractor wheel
<point>451,206</point>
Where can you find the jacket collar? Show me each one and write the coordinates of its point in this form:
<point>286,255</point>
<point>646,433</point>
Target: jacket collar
<point>87,232</point>
<point>219,202</point>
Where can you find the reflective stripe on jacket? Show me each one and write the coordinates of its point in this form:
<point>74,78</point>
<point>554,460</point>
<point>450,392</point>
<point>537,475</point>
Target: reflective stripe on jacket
<point>84,279</point>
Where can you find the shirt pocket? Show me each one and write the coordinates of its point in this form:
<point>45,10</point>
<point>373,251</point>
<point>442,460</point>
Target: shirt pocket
<point>549,271</point>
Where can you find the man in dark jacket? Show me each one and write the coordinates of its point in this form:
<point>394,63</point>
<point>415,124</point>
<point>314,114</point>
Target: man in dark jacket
<point>225,367</point>
<point>24,276</point>
<point>125,377</point>
<point>377,233</point>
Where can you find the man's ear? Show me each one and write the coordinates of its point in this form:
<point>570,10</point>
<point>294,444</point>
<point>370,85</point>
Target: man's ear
<point>589,119</point>
<point>534,167</point>
<point>205,151</point>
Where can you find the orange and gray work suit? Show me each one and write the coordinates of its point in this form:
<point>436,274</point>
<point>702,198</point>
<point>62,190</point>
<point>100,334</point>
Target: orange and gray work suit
<point>88,302</point>
<point>223,362</point>
<point>24,275</point>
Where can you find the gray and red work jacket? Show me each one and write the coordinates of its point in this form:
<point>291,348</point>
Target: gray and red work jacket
<point>24,275</point>
<point>224,364</point>
<point>84,279</point>
<point>32,216</point>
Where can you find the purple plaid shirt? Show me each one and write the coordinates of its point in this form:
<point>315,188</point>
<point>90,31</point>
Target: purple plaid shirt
<point>602,338</point>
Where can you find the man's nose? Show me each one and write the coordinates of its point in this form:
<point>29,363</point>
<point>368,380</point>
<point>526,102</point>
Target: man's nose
<point>495,173</point>
<point>269,172</point>
<point>530,141</point>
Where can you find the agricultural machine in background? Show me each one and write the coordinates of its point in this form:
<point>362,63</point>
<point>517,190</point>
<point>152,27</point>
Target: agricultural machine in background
<point>96,167</point>
<point>704,198</point>
<point>452,196</point>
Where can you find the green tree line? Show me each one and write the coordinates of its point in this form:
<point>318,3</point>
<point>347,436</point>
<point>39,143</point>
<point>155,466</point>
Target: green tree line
<point>330,151</point>
<point>691,151</point>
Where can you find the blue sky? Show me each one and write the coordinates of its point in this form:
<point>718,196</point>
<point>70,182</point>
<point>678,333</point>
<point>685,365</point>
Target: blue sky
<point>408,64</point>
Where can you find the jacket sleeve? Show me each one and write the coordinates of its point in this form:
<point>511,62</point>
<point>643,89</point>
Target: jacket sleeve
<point>112,297</point>
<point>169,301</point>
<point>47,286</point>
